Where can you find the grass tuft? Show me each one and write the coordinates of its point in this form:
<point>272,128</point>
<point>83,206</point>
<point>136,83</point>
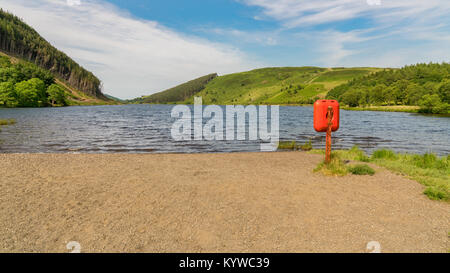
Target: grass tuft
<point>336,167</point>
<point>384,154</point>
<point>437,192</point>
<point>361,169</point>
<point>292,145</point>
<point>358,155</point>
<point>7,121</point>
<point>307,146</point>
<point>287,145</point>
<point>430,161</point>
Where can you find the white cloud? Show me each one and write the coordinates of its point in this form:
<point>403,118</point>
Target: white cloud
<point>131,56</point>
<point>394,33</point>
<point>374,47</point>
<point>73,2</point>
<point>297,13</point>
<point>397,48</point>
<point>264,38</point>
<point>331,45</point>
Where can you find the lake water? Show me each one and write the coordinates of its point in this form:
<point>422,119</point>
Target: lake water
<point>146,129</point>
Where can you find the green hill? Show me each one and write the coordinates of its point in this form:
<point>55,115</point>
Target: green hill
<point>19,40</point>
<point>178,93</point>
<point>275,85</point>
<point>424,85</point>
<point>278,85</point>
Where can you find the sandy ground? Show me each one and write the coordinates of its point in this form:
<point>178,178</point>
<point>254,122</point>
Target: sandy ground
<point>246,202</point>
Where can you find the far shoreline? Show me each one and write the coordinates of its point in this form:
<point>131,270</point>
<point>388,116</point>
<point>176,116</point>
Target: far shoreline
<point>389,108</point>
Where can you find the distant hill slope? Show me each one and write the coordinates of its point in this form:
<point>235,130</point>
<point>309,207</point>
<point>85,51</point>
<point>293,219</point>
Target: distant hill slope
<point>277,85</point>
<point>114,98</point>
<point>178,93</point>
<point>425,85</point>
<point>17,39</point>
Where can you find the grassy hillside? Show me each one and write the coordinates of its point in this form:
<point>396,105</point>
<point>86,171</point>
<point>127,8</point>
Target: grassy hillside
<point>22,41</point>
<point>178,93</point>
<point>114,98</point>
<point>24,84</point>
<point>279,85</point>
<point>424,85</point>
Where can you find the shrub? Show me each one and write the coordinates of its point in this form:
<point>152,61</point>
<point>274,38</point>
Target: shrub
<point>361,169</point>
<point>432,104</point>
<point>430,160</point>
<point>31,93</point>
<point>8,96</point>
<point>56,95</point>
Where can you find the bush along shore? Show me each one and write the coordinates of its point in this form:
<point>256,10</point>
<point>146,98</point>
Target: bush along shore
<point>428,169</point>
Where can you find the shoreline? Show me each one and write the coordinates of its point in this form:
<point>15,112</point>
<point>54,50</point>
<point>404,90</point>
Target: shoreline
<point>393,108</point>
<point>399,109</point>
<point>224,202</point>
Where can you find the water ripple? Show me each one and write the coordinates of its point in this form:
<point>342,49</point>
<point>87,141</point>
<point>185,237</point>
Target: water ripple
<point>146,129</point>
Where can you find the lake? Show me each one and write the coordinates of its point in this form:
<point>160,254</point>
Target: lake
<point>146,129</point>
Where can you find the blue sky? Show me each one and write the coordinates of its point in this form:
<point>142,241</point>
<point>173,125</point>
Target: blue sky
<point>140,47</point>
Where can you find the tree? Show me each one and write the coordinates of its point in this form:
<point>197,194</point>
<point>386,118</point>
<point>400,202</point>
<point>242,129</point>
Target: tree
<point>399,86</point>
<point>433,104</point>
<point>428,102</point>
<point>19,39</point>
<point>56,95</point>
<point>353,98</point>
<point>376,94</point>
<point>444,91</point>
<point>414,93</point>
<point>31,93</point>
<point>8,96</point>
<point>389,95</point>
<point>400,91</point>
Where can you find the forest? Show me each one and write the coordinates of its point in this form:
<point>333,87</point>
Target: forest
<point>27,85</point>
<point>20,40</point>
<point>424,85</point>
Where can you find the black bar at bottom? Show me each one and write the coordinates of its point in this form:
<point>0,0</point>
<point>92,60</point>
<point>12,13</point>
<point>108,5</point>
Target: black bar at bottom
<point>233,262</point>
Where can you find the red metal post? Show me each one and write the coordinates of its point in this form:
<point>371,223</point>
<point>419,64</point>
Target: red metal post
<point>328,138</point>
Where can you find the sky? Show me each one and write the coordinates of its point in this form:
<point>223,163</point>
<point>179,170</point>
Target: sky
<point>139,47</point>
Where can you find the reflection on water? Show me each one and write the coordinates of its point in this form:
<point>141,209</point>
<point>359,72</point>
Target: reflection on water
<point>146,129</point>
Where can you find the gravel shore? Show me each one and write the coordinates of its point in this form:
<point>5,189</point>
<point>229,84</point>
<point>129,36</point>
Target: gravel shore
<point>240,202</point>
